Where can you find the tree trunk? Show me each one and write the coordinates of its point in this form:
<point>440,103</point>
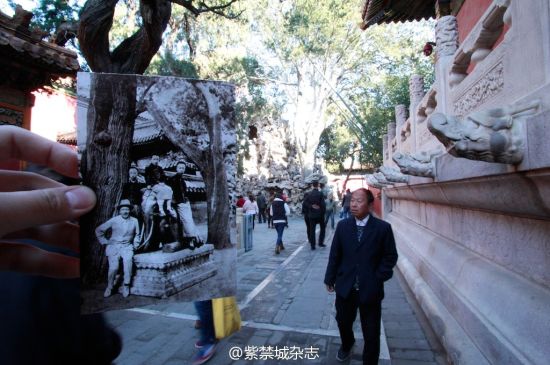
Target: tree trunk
<point>107,160</point>
<point>211,159</point>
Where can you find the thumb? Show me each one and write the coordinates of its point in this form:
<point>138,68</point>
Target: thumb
<point>25,209</point>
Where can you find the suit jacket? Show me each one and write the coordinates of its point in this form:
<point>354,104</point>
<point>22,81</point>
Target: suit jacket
<point>372,259</point>
<point>315,197</point>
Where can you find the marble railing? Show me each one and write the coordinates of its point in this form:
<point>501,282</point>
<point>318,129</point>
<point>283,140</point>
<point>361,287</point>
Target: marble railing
<point>481,40</point>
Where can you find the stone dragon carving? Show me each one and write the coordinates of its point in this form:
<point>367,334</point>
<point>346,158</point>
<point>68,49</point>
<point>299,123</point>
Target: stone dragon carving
<point>373,181</point>
<point>393,175</point>
<point>417,164</point>
<point>493,135</point>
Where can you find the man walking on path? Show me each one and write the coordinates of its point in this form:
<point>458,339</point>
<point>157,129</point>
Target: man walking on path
<point>125,237</point>
<point>346,199</point>
<point>361,258</point>
<point>315,205</point>
<point>262,205</point>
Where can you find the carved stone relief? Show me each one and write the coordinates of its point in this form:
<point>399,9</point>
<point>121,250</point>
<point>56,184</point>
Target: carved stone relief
<point>393,175</point>
<point>491,84</point>
<point>479,43</point>
<point>400,114</point>
<point>418,164</point>
<point>391,131</point>
<point>446,36</point>
<point>493,135</point>
<point>416,90</point>
<point>385,146</point>
<point>406,131</point>
<point>373,181</point>
<point>427,106</point>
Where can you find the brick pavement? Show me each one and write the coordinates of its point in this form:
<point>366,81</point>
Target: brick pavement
<point>283,303</point>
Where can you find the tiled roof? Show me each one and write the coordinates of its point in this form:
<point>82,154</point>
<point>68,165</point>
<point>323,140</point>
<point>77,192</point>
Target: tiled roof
<point>392,11</point>
<point>18,41</point>
<point>145,132</point>
<point>67,138</point>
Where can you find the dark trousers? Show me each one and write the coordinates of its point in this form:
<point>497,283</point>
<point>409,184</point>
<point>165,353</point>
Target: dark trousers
<point>306,219</point>
<point>312,225</point>
<point>204,312</point>
<point>261,216</point>
<point>280,227</point>
<point>370,315</point>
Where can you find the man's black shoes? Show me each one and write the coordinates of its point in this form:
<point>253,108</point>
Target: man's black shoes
<point>343,355</point>
<point>322,245</point>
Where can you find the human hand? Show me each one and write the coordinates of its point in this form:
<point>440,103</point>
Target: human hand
<point>38,208</point>
<point>330,288</point>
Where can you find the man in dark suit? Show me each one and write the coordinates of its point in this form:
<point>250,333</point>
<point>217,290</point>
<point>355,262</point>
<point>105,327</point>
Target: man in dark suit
<point>315,208</point>
<point>361,258</point>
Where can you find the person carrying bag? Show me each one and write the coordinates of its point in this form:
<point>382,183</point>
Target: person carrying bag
<point>227,318</point>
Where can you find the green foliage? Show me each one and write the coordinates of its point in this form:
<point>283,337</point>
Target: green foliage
<point>376,87</point>
<point>167,65</point>
<point>49,14</point>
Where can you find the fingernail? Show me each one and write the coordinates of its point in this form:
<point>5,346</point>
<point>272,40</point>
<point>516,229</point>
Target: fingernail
<point>80,198</point>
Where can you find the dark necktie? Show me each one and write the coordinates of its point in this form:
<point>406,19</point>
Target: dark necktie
<point>360,230</point>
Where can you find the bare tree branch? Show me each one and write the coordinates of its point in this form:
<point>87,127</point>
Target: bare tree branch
<point>204,8</point>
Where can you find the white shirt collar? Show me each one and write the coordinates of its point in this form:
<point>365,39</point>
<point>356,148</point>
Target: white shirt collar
<point>362,222</point>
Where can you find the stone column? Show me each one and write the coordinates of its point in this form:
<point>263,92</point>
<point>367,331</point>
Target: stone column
<point>446,37</point>
<point>391,136</point>
<point>385,152</point>
<point>400,114</point>
<point>416,93</point>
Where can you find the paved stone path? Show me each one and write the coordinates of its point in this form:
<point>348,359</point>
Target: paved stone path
<point>283,303</point>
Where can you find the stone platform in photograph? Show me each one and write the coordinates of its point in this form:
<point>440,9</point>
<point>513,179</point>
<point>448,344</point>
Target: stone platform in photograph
<point>160,274</point>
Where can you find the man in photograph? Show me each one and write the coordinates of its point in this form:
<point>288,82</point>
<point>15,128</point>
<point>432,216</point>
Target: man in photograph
<point>124,238</point>
<point>153,172</point>
<point>362,257</point>
<point>188,230</point>
<point>133,191</point>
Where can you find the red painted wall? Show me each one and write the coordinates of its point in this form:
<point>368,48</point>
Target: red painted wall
<point>468,16</point>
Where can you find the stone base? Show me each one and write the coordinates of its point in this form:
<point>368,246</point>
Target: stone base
<point>159,274</point>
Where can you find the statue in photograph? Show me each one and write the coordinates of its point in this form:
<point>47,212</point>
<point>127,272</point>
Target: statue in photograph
<point>124,237</point>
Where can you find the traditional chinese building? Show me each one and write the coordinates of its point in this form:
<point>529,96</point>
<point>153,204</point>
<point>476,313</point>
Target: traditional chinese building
<point>28,63</point>
<point>466,178</point>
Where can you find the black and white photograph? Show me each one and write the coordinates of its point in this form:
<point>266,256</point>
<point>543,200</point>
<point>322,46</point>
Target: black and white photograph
<point>160,154</point>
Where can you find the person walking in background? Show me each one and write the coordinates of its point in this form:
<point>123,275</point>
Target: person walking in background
<point>207,342</point>
<point>362,257</point>
<point>240,201</point>
<point>305,214</point>
<point>250,207</point>
<point>346,204</point>
<point>268,210</point>
<point>330,211</point>
<point>262,205</point>
<point>279,211</point>
<point>315,203</point>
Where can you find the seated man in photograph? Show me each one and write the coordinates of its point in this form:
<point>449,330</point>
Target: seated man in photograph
<point>125,237</point>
